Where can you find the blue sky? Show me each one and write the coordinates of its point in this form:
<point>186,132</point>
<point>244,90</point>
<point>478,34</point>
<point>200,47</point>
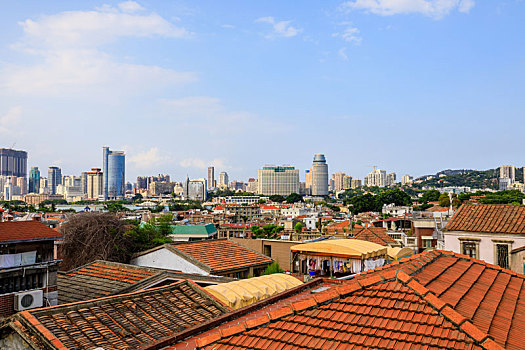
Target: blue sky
<point>412,86</point>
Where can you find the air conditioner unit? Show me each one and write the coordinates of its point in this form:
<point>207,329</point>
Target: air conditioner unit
<point>29,300</point>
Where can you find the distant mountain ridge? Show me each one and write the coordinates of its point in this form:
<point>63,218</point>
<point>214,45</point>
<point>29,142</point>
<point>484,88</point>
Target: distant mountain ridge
<point>475,179</point>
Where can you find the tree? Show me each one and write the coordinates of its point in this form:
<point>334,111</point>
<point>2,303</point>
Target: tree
<point>273,268</point>
<point>114,207</point>
<point>94,235</point>
<point>298,227</point>
<point>137,198</point>
<point>430,196</point>
<point>444,200</point>
<point>293,198</point>
<point>267,231</point>
<point>395,196</point>
<point>363,203</point>
<point>277,198</point>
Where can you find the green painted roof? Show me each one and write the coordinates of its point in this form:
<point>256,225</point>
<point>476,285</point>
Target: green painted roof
<point>200,230</point>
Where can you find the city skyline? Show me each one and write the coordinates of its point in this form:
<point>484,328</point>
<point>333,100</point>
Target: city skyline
<point>397,85</point>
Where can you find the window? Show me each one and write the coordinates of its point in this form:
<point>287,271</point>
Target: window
<point>502,255</point>
<point>470,249</point>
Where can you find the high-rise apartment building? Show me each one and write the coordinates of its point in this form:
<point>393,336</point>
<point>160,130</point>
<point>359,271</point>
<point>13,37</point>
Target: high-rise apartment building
<point>94,184</point>
<point>195,189</point>
<point>356,183</point>
<point>390,179</point>
<point>34,180</point>
<point>83,182</point>
<point>211,178</point>
<point>54,178</point>
<point>224,181</point>
<point>507,172</point>
<point>281,180</point>
<point>407,179</point>
<point>308,179</point>
<point>114,172</point>
<point>347,182</point>
<point>319,176</point>
<point>376,178</point>
<point>13,163</point>
<point>339,181</point>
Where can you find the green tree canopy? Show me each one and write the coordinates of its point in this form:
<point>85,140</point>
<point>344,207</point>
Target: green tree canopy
<point>444,200</point>
<point>277,198</point>
<point>294,198</point>
<point>431,196</point>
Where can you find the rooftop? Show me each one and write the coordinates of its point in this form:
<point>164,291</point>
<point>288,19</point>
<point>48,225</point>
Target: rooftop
<point>222,255</point>
<point>376,235</point>
<point>118,322</point>
<point>489,218</point>
<point>20,231</point>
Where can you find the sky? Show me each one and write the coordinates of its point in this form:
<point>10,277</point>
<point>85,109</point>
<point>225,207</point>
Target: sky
<point>411,86</point>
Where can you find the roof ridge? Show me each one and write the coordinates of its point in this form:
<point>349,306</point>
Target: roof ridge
<point>45,333</point>
<point>463,324</point>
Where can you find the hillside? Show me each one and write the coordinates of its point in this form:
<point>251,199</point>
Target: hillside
<point>471,178</point>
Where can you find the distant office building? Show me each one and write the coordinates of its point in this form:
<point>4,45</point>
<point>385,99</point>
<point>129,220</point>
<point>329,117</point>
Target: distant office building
<point>281,180</point>
<point>238,186</point>
<point>83,182</point>
<point>505,183</point>
<point>13,163</point>
<point>211,178</point>
<point>224,181</point>
<point>356,183</point>
<point>44,189</point>
<point>339,181</point>
<point>507,172</point>
<point>195,189</point>
<point>347,182</point>
<point>252,185</point>
<point>376,178</point>
<point>390,179</point>
<point>95,184</point>
<point>407,179</point>
<point>319,176</point>
<point>308,179</point>
<point>54,178</point>
<point>34,180</point>
<point>114,172</point>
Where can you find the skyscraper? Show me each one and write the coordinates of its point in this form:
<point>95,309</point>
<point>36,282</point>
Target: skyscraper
<point>13,162</point>
<point>95,180</point>
<point>224,181</point>
<point>507,172</point>
<point>54,178</point>
<point>281,180</point>
<point>319,176</point>
<point>34,180</point>
<point>114,172</point>
<point>211,178</point>
<point>339,181</point>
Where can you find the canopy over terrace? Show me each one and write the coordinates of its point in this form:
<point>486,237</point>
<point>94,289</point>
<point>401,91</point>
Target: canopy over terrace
<point>398,253</point>
<point>339,256</point>
<point>245,292</point>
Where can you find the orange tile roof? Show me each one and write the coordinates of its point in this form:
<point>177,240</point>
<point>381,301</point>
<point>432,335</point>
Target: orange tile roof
<point>15,231</point>
<point>222,255</point>
<point>386,310</point>
<point>120,322</point>
<point>373,234</point>
<point>491,298</point>
<point>490,218</point>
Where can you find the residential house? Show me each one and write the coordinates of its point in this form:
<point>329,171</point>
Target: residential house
<point>494,233</point>
<point>219,257</point>
<point>28,268</point>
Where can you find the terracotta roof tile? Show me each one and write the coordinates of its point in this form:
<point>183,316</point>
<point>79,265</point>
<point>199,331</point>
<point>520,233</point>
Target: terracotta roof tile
<point>222,255</point>
<point>373,234</point>
<point>124,321</point>
<point>14,231</point>
<point>491,218</point>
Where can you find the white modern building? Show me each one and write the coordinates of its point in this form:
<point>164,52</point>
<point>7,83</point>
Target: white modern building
<point>281,180</point>
<point>319,176</point>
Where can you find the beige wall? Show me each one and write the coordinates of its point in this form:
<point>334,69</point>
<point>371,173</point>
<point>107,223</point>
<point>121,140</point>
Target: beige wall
<point>280,250</point>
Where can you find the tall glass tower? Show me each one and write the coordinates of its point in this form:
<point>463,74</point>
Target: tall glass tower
<point>319,176</point>
<point>114,170</point>
<point>34,180</point>
<point>54,178</point>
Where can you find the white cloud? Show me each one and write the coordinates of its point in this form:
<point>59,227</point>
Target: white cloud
<point>9,121</point>
<point>68,46</point>
<point>200,164</point>
<point>350,35</point>
<point>148,159</point>
<point>432,8</point>
<point>342,53</point>
<point>228,26</point>
<point>130,6</point>
<point>281,28</point>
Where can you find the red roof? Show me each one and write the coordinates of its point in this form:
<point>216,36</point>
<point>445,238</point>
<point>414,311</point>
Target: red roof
<point>222,255</point>
<point>385,311</point>
<point>373,234</point>
<point>491,218</point>
<point>15,231</point>
<point>491,298</point>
